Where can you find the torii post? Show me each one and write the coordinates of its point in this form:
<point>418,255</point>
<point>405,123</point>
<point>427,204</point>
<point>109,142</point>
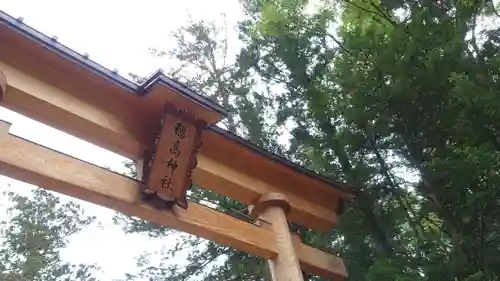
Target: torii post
<point>169,131</point>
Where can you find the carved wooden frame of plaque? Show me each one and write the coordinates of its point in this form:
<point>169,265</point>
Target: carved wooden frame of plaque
<point>153,195</point>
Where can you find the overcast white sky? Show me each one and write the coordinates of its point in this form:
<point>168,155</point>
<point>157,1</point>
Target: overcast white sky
<point>116,34</point>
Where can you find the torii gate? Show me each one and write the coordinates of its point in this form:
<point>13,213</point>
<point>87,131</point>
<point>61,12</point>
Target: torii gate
<point>169,131</point>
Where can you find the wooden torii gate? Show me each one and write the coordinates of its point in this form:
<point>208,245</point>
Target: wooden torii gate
<point>169,131</point>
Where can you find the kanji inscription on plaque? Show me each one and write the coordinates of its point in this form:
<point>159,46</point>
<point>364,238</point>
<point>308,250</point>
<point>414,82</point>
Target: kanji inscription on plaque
<point>170,167</point>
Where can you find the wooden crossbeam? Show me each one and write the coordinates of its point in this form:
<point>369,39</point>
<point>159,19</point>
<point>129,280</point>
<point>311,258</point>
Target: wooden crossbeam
<point>43,102</point>
<point>225,180</point>
<point>38,165</point>
<point>114,121</point>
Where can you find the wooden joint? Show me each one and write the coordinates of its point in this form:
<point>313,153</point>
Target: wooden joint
<point>272,199</point>
<point>154,199</point>
<point>3,86</point>
<point>184,115</point>
<point>340,206</point>
<point>297,241</point>
<point>4,127</point>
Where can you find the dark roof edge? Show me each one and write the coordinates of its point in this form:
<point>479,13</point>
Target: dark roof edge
<point>268,154</point>
<point>51,44</point>
<point>157,77</point>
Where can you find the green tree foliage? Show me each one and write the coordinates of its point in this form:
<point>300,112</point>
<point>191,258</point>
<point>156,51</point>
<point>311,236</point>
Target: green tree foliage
<point>398,99</point>
<point>35,231</point>
<point>387,87</point>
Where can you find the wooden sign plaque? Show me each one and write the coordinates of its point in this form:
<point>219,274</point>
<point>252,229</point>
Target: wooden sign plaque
<point>168,173</point>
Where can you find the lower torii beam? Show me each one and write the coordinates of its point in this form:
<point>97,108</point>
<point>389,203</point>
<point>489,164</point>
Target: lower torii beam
<point>38,165</point>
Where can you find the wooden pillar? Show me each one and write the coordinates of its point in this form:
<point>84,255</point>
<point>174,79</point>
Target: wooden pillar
<point>273,208</point>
